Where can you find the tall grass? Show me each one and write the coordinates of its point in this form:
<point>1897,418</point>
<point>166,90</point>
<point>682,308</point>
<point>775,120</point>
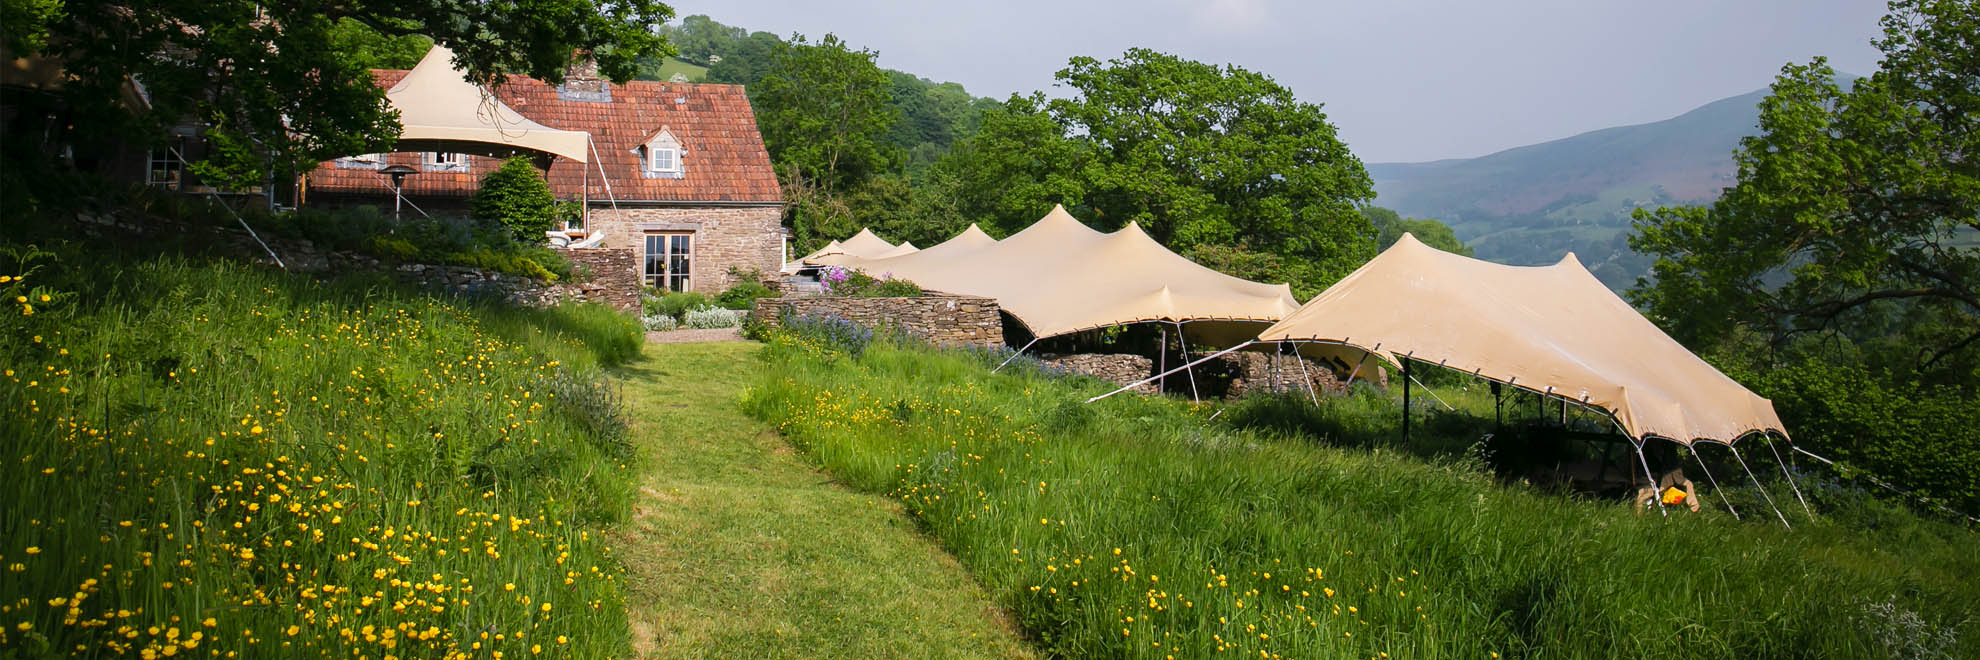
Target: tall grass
<point>1137,527</point>
<point>209,458</point>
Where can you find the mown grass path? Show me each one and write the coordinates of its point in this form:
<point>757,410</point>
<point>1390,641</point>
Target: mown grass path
<point>739,548</point>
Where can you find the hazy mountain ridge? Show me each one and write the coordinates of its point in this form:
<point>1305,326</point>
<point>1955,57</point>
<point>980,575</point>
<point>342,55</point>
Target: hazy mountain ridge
<point>1532,204</point>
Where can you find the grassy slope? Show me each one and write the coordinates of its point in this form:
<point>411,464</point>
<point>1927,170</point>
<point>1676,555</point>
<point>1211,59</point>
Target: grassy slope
<point>1134,528</point>
<point>739,549</point>
<point>212,458</point>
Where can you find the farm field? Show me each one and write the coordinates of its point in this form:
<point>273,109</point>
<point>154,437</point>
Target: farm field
<point>1138,527</point>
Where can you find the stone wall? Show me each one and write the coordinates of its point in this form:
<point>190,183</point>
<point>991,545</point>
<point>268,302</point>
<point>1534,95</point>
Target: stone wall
<point>941,320</point>
<point>1242,372</point>
<point>611,275</point>
<point>1116,368</point>
<point>742,237</point>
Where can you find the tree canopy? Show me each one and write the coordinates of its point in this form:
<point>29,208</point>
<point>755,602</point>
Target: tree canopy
<point>1840,275</point>
<point>1857,211</point>
<point>1390,226</point>
<point>277,76</point>
<point>1198,154</point>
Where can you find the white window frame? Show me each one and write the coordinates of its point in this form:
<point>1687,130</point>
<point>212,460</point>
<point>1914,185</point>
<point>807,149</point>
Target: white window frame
<point>672,162</point>
<point>167,161</point>
<point>442,161</point>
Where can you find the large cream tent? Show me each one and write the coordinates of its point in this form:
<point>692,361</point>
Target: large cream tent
<point>1058,276</point>
<point>1554,329</point>
<point>439,110</point>
<point>863,245</point>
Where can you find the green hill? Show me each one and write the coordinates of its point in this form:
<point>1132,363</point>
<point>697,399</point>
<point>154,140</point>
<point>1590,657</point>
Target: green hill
<point>1531,204</point>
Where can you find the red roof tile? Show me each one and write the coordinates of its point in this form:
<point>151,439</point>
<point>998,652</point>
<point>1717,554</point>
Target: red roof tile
<point>722,159</point>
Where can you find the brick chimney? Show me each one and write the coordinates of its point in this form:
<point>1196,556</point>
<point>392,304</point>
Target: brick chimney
<point>581,81</point>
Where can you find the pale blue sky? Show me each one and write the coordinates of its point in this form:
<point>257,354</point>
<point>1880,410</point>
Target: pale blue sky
<point>1404,80</point>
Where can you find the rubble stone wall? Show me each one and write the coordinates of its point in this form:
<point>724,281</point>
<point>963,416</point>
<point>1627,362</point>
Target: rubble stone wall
<point>941,320</point>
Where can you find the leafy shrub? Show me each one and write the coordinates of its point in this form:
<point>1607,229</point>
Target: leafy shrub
<point>713,317</point>
<point>850,283</point>
<point>743,295</point>
<point>517,197</point>
<point>896,288</point>
<point>1923,438</point>
<point>675,303</point>
<point>395,248</point>
<point>659,322</point>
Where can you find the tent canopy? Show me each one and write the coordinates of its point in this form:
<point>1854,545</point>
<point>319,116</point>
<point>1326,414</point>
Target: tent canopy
<point>1554,329</point>
<point>863,245</point>
<point>1058,276</point>
<point>439,110</point>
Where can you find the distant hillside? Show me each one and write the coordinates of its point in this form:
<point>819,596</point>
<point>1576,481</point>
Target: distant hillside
<point>1531,204</point>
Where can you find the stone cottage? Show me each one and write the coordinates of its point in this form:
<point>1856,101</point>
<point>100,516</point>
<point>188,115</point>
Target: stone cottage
<point>686,183</point>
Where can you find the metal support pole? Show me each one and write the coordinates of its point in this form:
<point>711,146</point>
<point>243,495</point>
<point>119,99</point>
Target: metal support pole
<point>1790,478</point>
<point>1756,484</point>
<point>1144,381</point>
<point>1000,367</point>
<point>1162,359</point>
<point>1654,495</point>
<point>1184,345</point>
<point>1715,482</point>
<point>1405,408</point>
<point>1498,409</point>
<point>1278,351</point>
<point>1304,376</point>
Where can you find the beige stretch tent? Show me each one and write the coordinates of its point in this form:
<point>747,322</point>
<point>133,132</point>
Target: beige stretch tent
<point>863,245</point>
<point>439,110</point>
<point>1554,329</point>
<point>1059,276</point>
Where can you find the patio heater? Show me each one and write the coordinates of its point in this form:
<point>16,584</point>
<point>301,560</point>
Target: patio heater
<point>398,174</point>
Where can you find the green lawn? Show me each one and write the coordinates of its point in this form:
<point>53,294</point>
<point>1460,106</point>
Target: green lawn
<point>738,548</point>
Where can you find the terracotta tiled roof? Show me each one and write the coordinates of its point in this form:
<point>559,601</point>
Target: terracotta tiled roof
<point>722,159</point>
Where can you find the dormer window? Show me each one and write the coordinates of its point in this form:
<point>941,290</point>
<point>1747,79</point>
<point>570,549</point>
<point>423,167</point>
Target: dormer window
<point>660,155</point>
<point>664,159</point>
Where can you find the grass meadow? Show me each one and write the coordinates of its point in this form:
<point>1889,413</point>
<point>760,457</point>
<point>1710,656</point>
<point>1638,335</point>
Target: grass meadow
<point>205,458</point>
<point>1139,527</point>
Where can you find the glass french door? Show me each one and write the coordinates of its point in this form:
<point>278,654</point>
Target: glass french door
<point>670,261</point>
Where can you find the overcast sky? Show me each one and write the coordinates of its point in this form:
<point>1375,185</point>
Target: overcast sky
<point>1405,80</point>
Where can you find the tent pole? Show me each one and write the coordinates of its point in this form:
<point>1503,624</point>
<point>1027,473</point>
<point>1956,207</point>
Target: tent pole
<point>1715,482</point>
<point>1498,409</point>
<point>1756,484</point>
<point>1144,381</point>
<point>601,173</point>
<point>1000,367</point>
<point>1790,478</point>
<point>584,195</point>
<point>1358,363</point>
<point>1278,351</point>
<point>1162,358</point>
<point>1654,495</point>
<point>1304,376</point>
<point>1405,408</point>
<point>1184,345</point>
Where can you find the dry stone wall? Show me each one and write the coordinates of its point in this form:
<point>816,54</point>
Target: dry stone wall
<point>611,276</point>
<point>941,320</point>
<point>1116,368</point>
<point>1244,372</point>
